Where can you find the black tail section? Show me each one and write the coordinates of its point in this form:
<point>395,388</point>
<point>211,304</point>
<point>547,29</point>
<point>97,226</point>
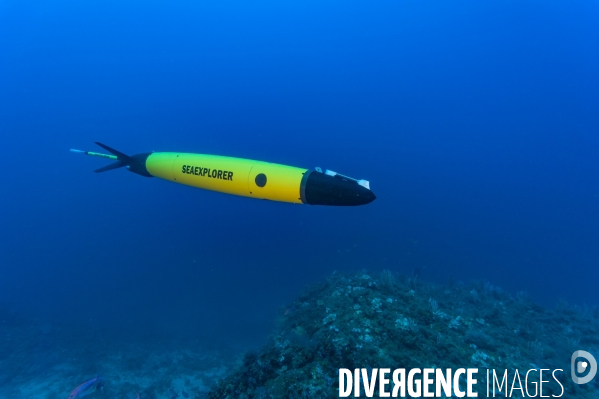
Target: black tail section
<point>135,163</point>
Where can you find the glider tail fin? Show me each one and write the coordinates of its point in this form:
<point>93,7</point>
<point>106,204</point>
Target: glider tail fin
<point>125,159</point>
<point>114,165</point>
<point>135,163</point>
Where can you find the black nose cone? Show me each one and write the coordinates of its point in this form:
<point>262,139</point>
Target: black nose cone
<point>366,197</point>
<point>322,189</point>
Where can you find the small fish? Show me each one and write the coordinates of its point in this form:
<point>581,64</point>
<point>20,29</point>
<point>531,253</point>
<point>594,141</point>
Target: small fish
<point>77,392</point>
<point>289,310</point>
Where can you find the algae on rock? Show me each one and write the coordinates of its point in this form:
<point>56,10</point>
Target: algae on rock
<point>365,320</point>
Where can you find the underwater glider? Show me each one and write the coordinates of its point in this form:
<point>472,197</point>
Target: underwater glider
<point>244,177</point>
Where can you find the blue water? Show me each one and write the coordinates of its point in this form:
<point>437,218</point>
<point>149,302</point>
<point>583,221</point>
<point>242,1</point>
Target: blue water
<point>476,123</point>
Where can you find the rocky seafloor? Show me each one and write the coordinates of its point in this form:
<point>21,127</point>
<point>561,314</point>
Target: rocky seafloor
<point>375,320</point>
<point>44,360</point>
<point>358,320</point>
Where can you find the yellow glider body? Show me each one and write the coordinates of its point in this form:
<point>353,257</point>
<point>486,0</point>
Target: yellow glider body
<point>244,177</point>
<point>229,175</point>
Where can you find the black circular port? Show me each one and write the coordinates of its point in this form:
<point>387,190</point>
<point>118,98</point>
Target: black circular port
<point>261,180</point>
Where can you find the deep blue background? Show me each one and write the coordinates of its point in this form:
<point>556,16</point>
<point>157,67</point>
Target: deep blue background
<point>476,123</point>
